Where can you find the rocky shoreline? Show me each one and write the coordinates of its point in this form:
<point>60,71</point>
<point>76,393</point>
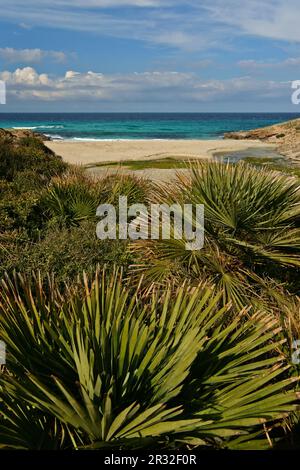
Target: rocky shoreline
<point>15,135</point>
<point>286,135</point>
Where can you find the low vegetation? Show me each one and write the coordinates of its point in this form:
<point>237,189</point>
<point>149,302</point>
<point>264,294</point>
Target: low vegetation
<point>167,163</point>
<point>252,233</point>
<point>154,345</point>
<point>98,367</point>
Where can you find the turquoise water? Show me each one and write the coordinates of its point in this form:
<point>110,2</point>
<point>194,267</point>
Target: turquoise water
<point>128,126</point>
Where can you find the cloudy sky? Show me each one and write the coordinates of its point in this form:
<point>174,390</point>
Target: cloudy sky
<point>149,55</point>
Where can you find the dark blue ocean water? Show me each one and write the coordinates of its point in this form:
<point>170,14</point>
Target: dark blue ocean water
<point>127,126</point>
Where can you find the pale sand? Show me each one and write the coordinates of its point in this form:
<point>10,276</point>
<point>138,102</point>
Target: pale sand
<point>84,153</point>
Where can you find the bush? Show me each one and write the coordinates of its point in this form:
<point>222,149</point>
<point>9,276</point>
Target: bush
<point>16,206</point>
<point>63,251</point>
<point>74,197</point>
<point>98,367</point>
<point>26,166</point>
<point>53,227</point>
<point>33,156</point>
<point>252,234</point>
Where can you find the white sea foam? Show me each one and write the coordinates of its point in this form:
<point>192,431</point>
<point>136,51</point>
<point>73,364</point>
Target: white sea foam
<point>23,127</point>
<point>54,136</point>
<point>91,139</point>
<point>50,127</point>
<point>38,127</point>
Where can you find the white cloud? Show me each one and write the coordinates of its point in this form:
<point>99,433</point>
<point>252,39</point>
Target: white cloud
<point>27,85</point>
<point>274,19</point>
<point>25,26</point>
<point>152,21</point>
<point>25,77</point>
<point>93,3</point>
<point>10,54</point>
<point>187,24</point>
<point>113,3</point>
<point>271,64</point>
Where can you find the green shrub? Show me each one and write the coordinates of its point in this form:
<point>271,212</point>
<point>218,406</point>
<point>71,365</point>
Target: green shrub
<point>34,143</point>
<point>16,205</point>
<point>53,227</point>
<point>252,233</point>
<point>63,251</point>
<point>74,197</point>
<point>15,159</point>
<point>98,367</point>
<point>70,200</point>
<point>138,190</point>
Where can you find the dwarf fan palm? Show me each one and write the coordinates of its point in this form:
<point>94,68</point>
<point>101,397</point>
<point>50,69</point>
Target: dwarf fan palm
<point>70,200</point>
<point>252,234</point>
<point>101,366</point>
<point>73,198</point>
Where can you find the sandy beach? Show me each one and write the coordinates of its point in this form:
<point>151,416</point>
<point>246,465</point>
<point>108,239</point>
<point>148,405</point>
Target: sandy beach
<point>89,152</point>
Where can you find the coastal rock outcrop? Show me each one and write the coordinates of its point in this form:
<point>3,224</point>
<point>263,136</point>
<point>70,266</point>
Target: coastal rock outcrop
<point>286,135</point>
<point>16,135</point>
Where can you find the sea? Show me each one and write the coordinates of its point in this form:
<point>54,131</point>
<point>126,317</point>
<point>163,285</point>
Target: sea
<point>139,126</point>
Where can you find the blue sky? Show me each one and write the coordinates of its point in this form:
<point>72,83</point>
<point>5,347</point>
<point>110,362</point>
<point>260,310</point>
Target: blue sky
<point>149,55</point>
